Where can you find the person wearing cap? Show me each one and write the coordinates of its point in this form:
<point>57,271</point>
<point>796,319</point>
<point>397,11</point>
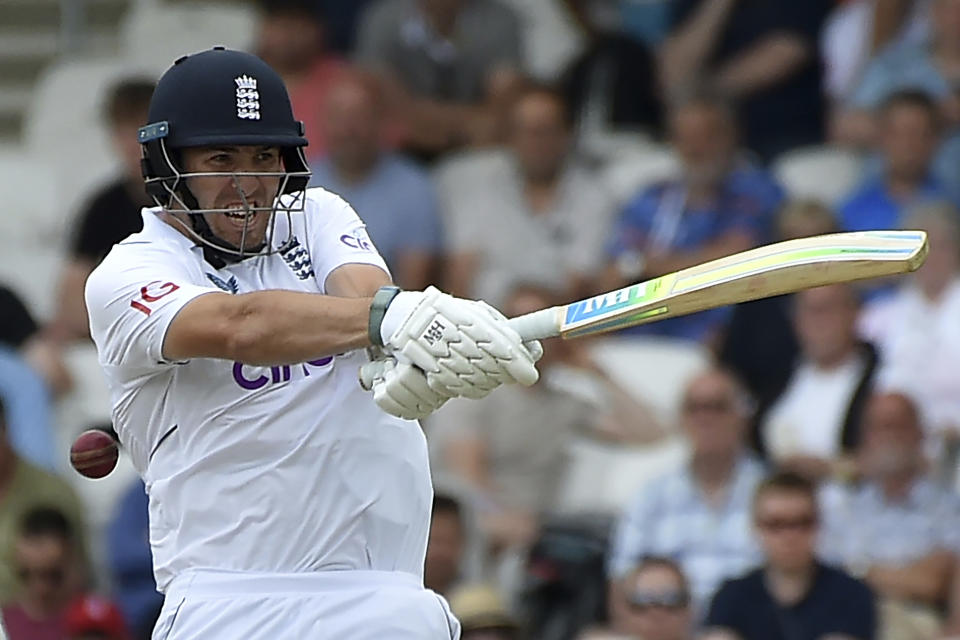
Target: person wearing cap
<point>483,614</point>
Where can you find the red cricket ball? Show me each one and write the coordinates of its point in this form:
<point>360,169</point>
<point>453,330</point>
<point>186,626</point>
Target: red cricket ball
<point>94,453</point>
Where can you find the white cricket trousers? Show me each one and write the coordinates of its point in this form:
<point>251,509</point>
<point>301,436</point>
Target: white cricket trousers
<point>327,605</point>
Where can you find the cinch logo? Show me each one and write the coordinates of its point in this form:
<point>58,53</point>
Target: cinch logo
<point>598,305</point>
<point>253,378</point>
<point>356,242</point>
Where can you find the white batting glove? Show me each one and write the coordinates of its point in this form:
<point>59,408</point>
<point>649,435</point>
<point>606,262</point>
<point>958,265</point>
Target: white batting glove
<point>464,347</point>
<point>400,389</point>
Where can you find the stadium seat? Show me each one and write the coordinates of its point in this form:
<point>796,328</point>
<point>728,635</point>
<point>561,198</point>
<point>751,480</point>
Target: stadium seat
<point>822,173</point>
<point>602,477</point>
<point>157,32</point>
<point>65,123</point>
<point>654,369</point>
<point>634,167</point>
<point>31,227</point>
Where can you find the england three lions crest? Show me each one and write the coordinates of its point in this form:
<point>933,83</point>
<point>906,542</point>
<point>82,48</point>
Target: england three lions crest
<point>248,98</point>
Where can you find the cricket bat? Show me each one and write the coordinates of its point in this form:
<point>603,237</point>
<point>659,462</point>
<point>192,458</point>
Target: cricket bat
<point>766,271</point>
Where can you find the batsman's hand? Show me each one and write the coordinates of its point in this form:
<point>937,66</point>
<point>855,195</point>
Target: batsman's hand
<point>400,389</point>
<point>464,347</point>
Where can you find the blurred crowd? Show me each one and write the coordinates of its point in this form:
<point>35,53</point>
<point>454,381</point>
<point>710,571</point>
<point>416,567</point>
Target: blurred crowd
<point>805,478</point>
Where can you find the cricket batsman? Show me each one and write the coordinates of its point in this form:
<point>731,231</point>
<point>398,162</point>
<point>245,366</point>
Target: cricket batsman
<point>286,501</point>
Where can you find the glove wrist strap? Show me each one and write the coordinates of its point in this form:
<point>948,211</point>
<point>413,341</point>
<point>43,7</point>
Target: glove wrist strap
<point>378,309</point>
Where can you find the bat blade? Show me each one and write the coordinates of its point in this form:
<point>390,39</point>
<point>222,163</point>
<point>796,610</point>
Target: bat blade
<point>784,267</point>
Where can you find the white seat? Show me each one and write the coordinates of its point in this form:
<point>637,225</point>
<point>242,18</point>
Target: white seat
<point>655,369</point>
<point>602,478</point>
<point>65,124</point>
<point>31,229</point>
<point>160,32</point>
<point>822,173</point>
<point>632,168</point>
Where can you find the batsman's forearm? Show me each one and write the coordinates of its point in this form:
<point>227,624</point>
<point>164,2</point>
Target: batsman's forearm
<point>284,327</point>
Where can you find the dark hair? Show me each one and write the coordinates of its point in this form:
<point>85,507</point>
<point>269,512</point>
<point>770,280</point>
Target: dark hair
<point>787,482</point>
<point>46,521</point>
<point>444,503</point>
<point>128,101</point>
<point>913,98</point>
<point>662,562</point>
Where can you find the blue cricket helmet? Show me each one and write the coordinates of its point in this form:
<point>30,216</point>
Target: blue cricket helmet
<point>219,97</point>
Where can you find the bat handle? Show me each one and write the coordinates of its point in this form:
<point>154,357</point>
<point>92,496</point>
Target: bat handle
<point>540,324</point>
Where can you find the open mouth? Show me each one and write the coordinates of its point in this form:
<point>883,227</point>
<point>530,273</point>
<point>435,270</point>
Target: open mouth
<point>240,213</point>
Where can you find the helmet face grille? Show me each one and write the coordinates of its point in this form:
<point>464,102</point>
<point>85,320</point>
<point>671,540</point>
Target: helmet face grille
<point>222,98</point>
<point>171,193</point>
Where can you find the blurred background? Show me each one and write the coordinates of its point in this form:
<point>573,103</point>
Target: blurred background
<point>724,475</point>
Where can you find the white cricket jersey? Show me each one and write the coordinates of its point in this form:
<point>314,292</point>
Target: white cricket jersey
<point>248,468</point>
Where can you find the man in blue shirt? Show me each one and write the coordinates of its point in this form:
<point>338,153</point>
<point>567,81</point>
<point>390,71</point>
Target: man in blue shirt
<point>910,136</point>
<point>719,205</point>
<point>393,196</point>
<point>792,596</point>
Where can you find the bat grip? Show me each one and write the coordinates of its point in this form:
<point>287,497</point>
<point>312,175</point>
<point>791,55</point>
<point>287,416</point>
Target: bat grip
<point>537,325</point>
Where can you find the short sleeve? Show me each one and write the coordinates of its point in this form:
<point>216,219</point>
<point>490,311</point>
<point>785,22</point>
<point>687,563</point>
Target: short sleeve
<point>132,303</point>
<point>337,236</point>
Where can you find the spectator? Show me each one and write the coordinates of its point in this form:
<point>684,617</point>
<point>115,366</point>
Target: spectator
<point>341,20</point>
<point>131,563</point>
<point>511,449</point>
<point>29,410</point>
<point>111,214</point>
<point>483,615</point>
<point>916,330</point>
<point>698,514</point>
<point>897,529</point>
<point>611,85</point>
<point>46,562</point>
<point>290,38</point>
<point>813,425</point>
<point>447,67</point>
<point>95,618</point>
<point>928,66</point>
<point>23,488</point>
<point>762,55</point>
<point>759,343</point>
<point>20,332</point>
<point>793,596</point>
<point>446,545</point>
<point>653,602</point>
<point>857,29</point>
<point>393,196</point>
<point>16,322</point>
<point>909,136</point>
<point>719,205</point>
<point>533,214</point>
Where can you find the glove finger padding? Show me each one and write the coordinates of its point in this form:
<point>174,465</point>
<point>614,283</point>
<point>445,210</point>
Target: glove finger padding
<point>464,347</point>
<point>402,390</point>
